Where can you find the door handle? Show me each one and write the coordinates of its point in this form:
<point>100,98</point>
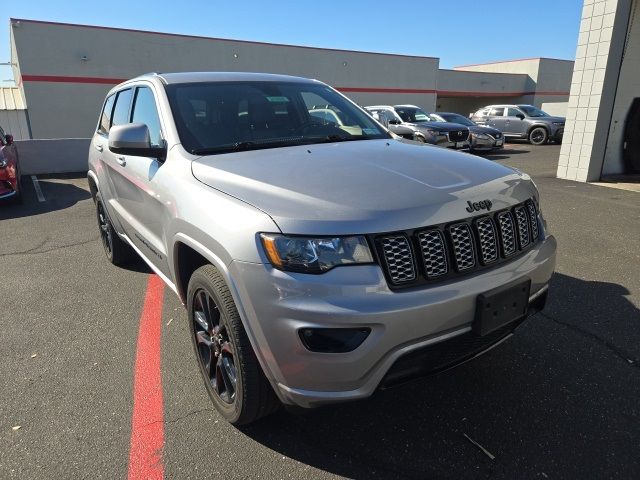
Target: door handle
<point>99,147</point>
<point>121,161</point>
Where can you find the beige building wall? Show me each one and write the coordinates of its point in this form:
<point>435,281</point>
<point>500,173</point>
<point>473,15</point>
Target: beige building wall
<point>65,70</point>
<point>547,79</point>
<point>603,32</point>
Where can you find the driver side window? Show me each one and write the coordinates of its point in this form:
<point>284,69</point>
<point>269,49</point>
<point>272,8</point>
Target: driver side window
<point>145,111</point>
<point>513,112</point>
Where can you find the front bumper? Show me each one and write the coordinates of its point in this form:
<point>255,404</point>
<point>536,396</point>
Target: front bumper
<point>486,143</point>
<point>557,134</point>
<point>276,304</point>
<point>8,182</point>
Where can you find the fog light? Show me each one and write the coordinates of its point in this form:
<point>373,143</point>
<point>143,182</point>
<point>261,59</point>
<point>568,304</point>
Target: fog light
<point>333,340</point>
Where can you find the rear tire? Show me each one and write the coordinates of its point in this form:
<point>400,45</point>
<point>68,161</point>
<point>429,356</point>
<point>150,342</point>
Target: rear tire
<point>538,136</point>
<point>116,250</point>
<point>229,367</point>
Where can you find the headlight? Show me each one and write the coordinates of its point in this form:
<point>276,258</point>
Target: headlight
<point>481,136</point>
<point>314,255</point>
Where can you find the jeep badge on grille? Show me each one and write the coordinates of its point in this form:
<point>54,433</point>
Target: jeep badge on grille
<point>477,206</point>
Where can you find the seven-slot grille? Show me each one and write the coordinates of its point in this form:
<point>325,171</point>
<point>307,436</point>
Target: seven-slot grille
<point>439,252</point>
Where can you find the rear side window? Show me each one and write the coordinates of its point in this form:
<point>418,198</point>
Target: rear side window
<point>145,111</point>
<point>496,112</point>
<point>121,110</point>
<point>105,116</point>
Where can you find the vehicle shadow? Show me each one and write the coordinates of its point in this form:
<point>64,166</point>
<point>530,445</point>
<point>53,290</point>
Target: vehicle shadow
<point>57,196</point>
<point>547,404</point>
<point>502,154</point>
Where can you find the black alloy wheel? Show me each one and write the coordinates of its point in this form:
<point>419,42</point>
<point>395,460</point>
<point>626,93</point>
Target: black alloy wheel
<point>227,362</point>
<point>116,249</point>
<point>538,136</point>
<point>215,350</point>
<point>106,233</point>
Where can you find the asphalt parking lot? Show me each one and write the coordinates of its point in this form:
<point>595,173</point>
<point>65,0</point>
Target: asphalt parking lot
<point>558,400</point>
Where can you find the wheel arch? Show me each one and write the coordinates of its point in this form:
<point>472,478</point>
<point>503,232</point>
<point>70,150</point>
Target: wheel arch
<point>194,255</point>
<point>536,125</point>
<point>92,179</point>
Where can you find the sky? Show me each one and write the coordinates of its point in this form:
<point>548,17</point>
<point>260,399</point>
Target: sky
<point>459,32</point>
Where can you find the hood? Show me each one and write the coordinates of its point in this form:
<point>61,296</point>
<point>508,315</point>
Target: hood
<point>366,186</point>
<point>441,126</point>
<point>485,129</point>
<point>549,119</point>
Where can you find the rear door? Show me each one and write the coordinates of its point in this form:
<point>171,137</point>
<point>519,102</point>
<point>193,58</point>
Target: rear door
<point>139,196</point>
<point>99,157</point>
<point>111,187</point>
<point>496,119</point>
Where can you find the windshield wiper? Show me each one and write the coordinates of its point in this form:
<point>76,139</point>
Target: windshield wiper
<point>232,147</point>
<point>336,138</point>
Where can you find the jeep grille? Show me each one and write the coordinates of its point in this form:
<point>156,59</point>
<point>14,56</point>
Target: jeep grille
<point>435,253</point>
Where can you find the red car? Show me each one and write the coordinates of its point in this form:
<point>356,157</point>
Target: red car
<point>9,170</point>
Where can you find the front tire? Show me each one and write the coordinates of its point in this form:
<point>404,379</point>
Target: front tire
<point>538,136</point>
<point>231,372</point>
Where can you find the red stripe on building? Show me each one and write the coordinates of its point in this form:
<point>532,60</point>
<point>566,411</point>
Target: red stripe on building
<point>66,79</point>
<point>426,91</point>
<point>147,423</point>
<point>384,90</point>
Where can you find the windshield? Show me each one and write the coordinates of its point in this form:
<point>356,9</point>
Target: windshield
<point>532,111</point>
<point>412,114</point>
<point>218,117</point>
<point>456,118</point>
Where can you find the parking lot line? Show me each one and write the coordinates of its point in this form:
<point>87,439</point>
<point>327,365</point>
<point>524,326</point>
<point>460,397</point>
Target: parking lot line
<point>147,423</point>
<point>36,185</point>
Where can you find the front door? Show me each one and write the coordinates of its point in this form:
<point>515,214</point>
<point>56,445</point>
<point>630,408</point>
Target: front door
<point>137,199</point>
<point>514,122</point>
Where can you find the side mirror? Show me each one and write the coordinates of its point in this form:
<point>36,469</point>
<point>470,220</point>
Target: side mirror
<point>394,121</point>
<point>134,139</point>
<point>9,139</point>
<point>520,116</point>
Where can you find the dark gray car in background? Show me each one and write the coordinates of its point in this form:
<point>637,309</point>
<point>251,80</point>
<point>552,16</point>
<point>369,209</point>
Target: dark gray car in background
<point>481,138</point>
<point>522,121</point>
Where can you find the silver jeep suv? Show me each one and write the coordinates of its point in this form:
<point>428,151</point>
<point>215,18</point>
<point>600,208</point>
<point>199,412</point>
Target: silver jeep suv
<point>318,259</point>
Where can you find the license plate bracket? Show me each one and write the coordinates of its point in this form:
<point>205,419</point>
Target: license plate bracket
<point>501,306</point>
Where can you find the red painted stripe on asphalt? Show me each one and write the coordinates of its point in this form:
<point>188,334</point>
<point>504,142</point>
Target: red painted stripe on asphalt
<point>147,423</point>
